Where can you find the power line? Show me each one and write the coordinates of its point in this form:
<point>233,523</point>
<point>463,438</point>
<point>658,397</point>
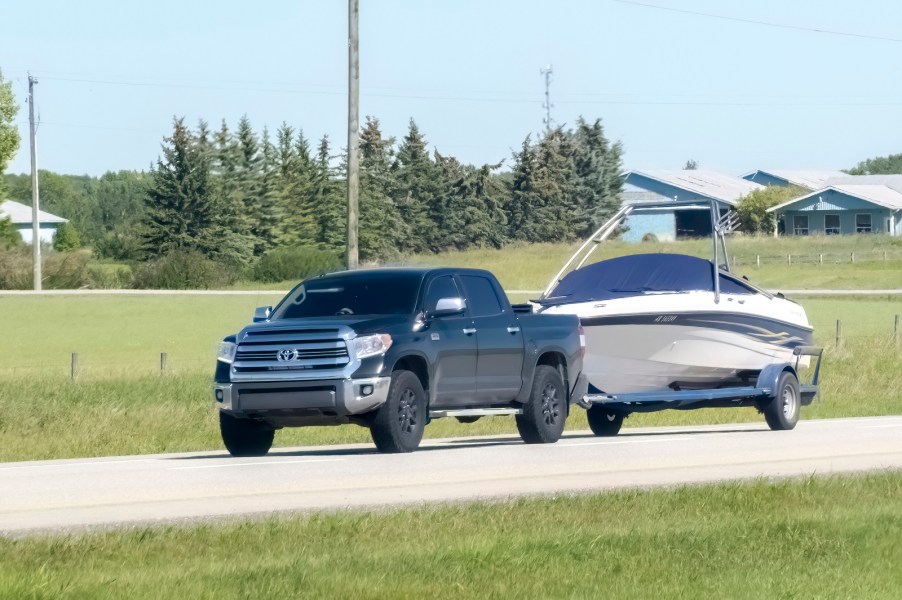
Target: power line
<point>766,23</point>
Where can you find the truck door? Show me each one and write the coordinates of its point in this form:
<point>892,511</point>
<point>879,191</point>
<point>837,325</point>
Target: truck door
<point>451,343</point>
<point>499,365</point>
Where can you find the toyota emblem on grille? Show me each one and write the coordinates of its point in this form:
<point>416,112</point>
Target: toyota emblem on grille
<point>287,355</point>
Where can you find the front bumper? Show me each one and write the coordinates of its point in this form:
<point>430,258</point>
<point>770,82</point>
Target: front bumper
<point>333,397</point>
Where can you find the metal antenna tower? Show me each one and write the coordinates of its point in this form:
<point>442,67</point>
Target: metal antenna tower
<point>547,72</point>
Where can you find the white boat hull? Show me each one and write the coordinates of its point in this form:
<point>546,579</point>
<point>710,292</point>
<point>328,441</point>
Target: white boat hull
<point>669,341</point>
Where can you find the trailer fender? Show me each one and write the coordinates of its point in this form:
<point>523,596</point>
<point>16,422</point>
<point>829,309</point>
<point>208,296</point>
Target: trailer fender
<point>767,379</point>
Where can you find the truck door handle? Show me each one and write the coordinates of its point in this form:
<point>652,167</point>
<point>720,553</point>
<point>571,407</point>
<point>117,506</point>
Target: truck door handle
<point>513,330</point>
<point>469,330</point>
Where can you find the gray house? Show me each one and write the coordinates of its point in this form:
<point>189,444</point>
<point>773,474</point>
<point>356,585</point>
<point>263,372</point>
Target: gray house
<point>684,185</point>
<point>844,208</point>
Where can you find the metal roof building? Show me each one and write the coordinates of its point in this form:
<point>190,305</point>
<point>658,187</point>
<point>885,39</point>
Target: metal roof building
<point>20,216</point>
<point>844,208</point>
<point>811,180</point>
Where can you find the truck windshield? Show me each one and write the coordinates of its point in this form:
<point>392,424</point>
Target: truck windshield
<point>358,294</point>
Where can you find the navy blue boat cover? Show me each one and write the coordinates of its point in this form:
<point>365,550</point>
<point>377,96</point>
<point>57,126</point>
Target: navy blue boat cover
<point>639,273</point>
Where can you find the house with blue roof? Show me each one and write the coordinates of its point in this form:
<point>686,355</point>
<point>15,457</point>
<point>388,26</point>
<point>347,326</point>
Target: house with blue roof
<point>680,186</point>
<point>847,205</point>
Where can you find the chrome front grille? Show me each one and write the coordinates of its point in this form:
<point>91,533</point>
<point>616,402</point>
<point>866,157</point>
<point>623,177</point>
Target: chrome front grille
<point>295,350</point>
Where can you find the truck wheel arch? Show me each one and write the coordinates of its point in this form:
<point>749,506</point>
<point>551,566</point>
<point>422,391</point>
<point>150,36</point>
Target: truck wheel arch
<point>557,361</point>
<point>418,366</point>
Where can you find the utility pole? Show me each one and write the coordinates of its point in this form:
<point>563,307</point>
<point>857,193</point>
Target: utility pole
<point>35,219</point>
<point>547,72</point>
<point>353,126</point>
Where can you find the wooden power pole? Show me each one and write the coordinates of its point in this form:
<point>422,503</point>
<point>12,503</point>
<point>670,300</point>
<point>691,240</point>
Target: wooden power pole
<point>353,126</point>
<point>35,219</point>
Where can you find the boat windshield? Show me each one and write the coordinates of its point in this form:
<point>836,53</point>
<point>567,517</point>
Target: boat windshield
<point>640,274</point>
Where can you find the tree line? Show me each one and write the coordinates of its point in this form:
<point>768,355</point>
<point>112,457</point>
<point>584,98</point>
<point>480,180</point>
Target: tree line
<point>235,194</point>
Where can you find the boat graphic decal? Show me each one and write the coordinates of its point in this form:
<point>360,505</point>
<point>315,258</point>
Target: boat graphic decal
<point>763,329</point>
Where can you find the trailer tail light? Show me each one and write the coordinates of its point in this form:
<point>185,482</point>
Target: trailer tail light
<point>582,341</point>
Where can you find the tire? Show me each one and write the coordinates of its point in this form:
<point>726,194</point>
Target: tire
<point>604,422</point>
<point>398,424</point>
<point>542,421</point>
<point>245,437</point>
<point>782,413</point>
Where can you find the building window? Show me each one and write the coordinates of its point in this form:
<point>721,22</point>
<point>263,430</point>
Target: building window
<point>831,224</point>
<point>800,225</point>
<point>863,223</point>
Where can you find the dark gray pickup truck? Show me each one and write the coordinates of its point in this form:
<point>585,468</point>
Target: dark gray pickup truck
<point>391,349</point>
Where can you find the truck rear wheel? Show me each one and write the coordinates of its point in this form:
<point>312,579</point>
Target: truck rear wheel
<point>783,411</point>
<point>542,421</point>
<point>245,437</point>
<point>399,423</point>
<point>604,422</point>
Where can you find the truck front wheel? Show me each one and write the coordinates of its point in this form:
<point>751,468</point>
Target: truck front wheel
<point>398,424</point>
<point>245,437</point>
<point>542,421</point>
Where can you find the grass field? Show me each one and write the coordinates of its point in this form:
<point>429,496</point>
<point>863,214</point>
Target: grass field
<point>120,403</point>
<point>835,537</point>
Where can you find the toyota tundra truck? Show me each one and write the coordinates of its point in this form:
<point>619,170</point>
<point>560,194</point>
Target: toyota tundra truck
<point>391,349</point>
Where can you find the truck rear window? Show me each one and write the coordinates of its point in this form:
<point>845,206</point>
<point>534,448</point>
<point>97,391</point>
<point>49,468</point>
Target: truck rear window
<point>365,294</point>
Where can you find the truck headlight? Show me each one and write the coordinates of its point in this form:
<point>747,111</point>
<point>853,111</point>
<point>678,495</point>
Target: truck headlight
<point>372,345</point>
<point>226,352</point>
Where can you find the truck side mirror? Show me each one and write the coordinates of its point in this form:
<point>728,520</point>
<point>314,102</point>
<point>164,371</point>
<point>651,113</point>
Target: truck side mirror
<point>448,306</point>
<point>262,314</point>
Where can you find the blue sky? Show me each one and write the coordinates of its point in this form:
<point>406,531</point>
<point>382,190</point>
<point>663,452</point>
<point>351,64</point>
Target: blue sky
<point>671,84</point>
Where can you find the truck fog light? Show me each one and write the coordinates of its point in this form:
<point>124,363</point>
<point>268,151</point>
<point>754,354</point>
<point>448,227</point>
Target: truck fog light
<point>366,390</point>
<point>219,395</point>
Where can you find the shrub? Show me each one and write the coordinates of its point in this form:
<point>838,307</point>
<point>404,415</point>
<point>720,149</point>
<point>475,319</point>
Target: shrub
<point>183,270</point>
<point>122,243</point>
<point>293,263</point>
<point>66,238</point>
<point>9,237</point>
<point>59,270</point>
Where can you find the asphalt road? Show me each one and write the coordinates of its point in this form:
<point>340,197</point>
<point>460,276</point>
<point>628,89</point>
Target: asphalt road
<point>88,493</point>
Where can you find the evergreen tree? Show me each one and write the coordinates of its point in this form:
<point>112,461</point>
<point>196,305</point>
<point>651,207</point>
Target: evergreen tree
<point>268,209</point>
<point>183,212</point>
<point>598,165</point>
<point>328,207</point>
<point>417,192</point>
<point>249,181</point>
<point>295,187</point>
<point>382,233</point>
<point>472,206</point>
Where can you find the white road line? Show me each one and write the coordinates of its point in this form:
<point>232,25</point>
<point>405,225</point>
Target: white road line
<point>249,464</point>
<point>612,442</point>
<point>881,426</point>
<point>78,464</point>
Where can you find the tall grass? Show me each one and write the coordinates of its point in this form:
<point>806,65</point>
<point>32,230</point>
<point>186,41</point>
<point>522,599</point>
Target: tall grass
<point>835,537</point>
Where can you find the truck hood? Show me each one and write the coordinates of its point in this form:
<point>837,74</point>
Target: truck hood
<point>361,324</point>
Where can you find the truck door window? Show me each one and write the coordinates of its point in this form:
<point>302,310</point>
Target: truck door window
<point>441,287</point>
<point>482,299</point>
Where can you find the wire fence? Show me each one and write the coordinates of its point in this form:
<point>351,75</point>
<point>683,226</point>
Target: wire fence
<point>76,365</point>
<point>824,258</point>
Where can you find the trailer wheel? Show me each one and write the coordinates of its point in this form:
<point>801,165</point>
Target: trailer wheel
<point>245,437</point>
<point>604,422</point>
<point>542,421</point>
<point>782,413</point>
<point>397,425</point>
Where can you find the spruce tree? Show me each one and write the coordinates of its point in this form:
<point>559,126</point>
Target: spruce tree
<point>268,211</point>
<point>382,232</point>
<point>328,207</point>
<point>417,192</point>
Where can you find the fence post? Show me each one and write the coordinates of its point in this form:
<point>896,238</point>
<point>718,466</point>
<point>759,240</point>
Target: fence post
<point>74,366</point>
<point>789,259</point>
<point>852,259</point>
<point>820,258</point>
<point>896,330</point>
<point>162,363</point>
<point>758,261</point>
<point>838,333</point>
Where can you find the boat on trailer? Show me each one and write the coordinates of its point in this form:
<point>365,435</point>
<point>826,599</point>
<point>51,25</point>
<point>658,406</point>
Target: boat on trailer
<point>677,331</point>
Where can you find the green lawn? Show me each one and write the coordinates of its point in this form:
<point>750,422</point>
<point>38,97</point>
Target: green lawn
<point>834,537</point>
